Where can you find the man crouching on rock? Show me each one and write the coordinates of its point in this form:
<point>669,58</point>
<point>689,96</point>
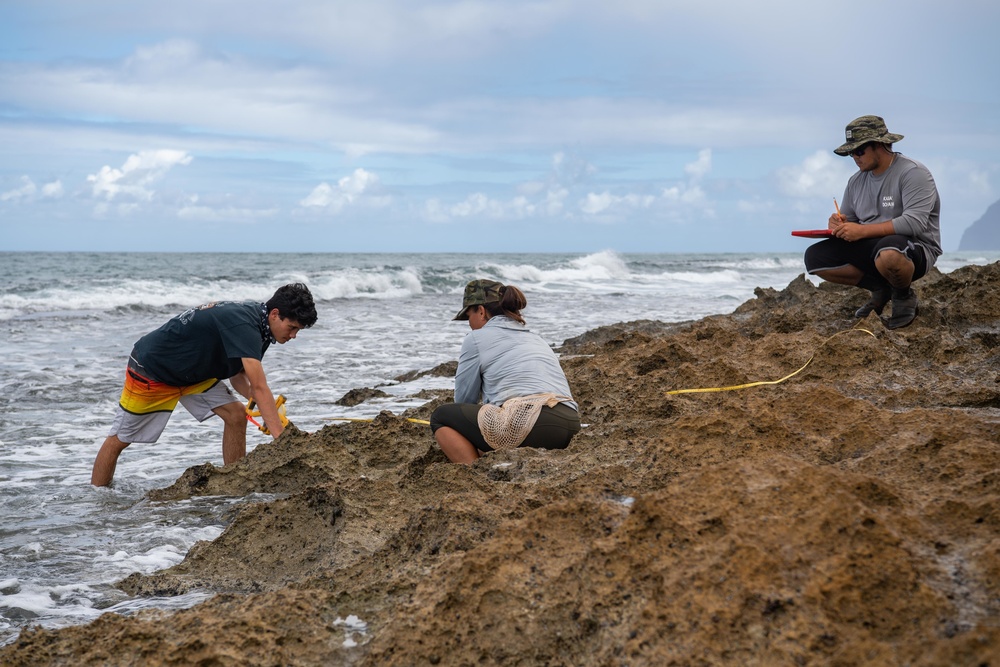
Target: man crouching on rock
<point>886,233</point>
<point>185,361</point>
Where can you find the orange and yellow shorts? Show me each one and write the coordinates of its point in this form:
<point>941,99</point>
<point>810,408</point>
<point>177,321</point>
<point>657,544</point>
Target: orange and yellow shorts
<point>145,405</point>
<point>142,395</point>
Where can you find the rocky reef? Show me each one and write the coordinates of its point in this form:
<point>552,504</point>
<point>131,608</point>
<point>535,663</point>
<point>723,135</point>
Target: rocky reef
<point>847,515</point>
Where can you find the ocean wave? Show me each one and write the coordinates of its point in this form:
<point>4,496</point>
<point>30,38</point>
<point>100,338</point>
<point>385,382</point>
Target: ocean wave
<point>594,270</point>
<point>89,297</point>
<point>764,263</point>
<point>85,286</point>
<point>170,288</point>
<point>174,293</point>
<point>354,283</point>
<point>726,276</point>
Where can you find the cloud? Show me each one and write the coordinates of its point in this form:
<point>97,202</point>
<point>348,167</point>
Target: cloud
<point>571,169</point>
<point>28,191</point>
<point>689,194</point>
<point>966,178</point>
<point>819,175</point>
<point>551,192</point>
<point>555,201</point>
<point>373,29</point>
<point>594,204</point>
<point>807,188</point>
<point>471,109</point>
<point>479,206</point>
<point>349,190</point>
<point>124,209</point>
<point>225,214</point>
<point>755,206</point>
<point>701,166</point>
<point>229,97</point>
<point>567,177</point>
<point>140,171</point>
<point>52,190</point>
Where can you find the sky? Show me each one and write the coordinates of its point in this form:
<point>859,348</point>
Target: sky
<point>477,126</point>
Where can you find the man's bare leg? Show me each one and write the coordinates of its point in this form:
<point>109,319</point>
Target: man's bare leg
<point>895,267</point>
<point>455,446</point>
<point>898,269</point>
<point>852,275</point>
<point>842,275</point>
<point>107,461</point>
<point>234,434</point>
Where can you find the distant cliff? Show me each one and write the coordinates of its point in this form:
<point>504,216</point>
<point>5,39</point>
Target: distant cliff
<point>984,234</point>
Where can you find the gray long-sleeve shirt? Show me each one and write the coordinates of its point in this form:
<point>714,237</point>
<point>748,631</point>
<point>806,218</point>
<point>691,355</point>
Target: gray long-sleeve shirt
<point>503,360</point>
<point>904,193</point>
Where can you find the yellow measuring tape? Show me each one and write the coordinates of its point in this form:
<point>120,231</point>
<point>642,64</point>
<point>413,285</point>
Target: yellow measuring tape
<point>757,384</point>
<point>279,403</point>
<point>360,419</point>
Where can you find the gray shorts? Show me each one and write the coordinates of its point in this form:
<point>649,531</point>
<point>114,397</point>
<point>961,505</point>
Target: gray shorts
<point>131,427</point>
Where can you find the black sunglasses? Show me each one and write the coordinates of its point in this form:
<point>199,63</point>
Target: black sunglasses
<point>860,150</point>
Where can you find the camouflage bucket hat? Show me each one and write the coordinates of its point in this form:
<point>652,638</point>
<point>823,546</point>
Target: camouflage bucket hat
<point>862,130</point>
<point>477,293</point>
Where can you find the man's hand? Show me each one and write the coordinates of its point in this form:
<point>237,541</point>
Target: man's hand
<point>855,231</point>
<point>835,222</point>
<point>850,231</point>
<point>261,393</point>
<point>252,412</point>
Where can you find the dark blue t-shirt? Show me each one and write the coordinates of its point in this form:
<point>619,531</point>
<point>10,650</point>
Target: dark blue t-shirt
<point>206,342</point>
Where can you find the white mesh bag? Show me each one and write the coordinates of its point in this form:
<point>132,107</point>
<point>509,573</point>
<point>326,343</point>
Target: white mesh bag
<point>506,426</point>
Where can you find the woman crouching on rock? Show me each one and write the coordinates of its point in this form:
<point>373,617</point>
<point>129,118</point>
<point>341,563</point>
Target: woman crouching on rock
<point>525,395</point>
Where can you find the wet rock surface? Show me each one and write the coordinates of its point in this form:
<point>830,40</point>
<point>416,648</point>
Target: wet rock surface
<point>847,515</point>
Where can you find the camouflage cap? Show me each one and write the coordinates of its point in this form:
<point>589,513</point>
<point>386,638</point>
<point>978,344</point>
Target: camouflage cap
<point>477,293</point>
<point>862,130</point>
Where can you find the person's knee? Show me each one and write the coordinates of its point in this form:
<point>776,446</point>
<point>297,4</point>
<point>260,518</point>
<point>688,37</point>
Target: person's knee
<point>115,444</point>
<point>456,446</point>
<point>234,414</point>
<point>810,258</point>
<point>448,415</point>
<point>843,275</point>
<point>443,433</point>
<point>892,263</point>
<point>890,257</point>
<point>435,419</point>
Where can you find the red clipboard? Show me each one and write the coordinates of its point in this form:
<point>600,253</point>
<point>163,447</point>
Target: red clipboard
<point>813,233</point>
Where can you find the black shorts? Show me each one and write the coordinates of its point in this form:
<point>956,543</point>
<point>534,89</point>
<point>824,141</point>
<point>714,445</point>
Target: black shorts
<point>834,253</point>
<point>554,429</point>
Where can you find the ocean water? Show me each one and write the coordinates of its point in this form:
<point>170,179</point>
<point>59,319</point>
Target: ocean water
<point>68,321</point>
